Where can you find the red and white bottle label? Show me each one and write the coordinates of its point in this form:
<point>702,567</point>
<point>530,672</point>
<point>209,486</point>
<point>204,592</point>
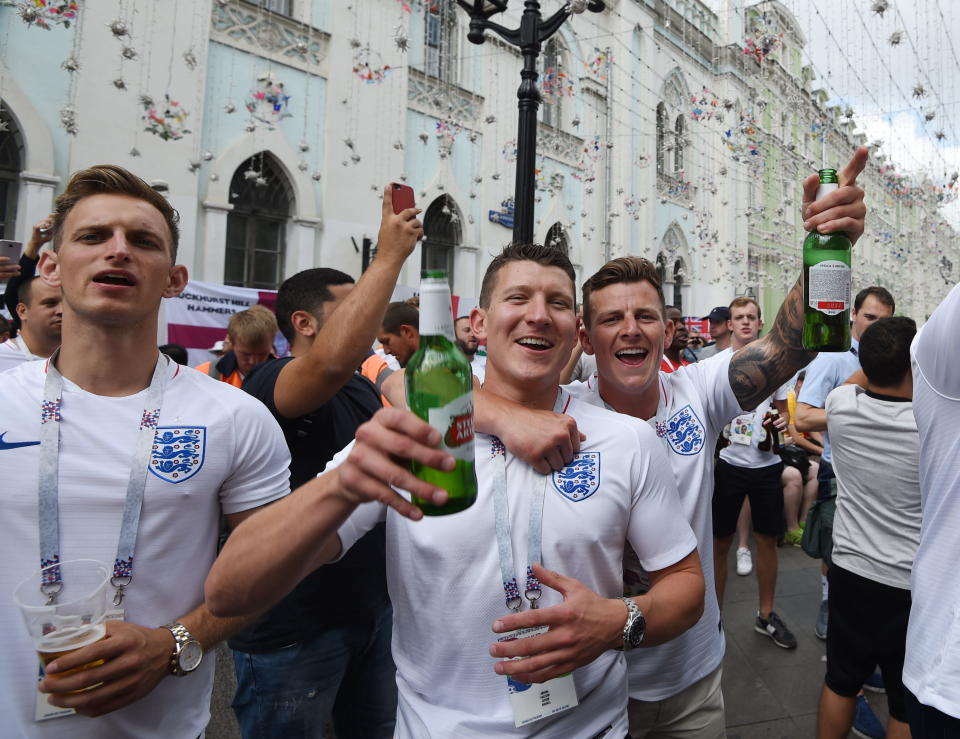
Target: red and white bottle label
<point>454,421</point>
<point>828,288</point>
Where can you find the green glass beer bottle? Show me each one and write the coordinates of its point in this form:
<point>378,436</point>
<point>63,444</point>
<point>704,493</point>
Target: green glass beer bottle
<point>440,391</point>
<point>826,283</point>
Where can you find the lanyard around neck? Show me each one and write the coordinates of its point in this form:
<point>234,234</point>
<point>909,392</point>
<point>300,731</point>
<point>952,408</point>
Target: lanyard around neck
<point>49,486</point>
<point>511,590</point>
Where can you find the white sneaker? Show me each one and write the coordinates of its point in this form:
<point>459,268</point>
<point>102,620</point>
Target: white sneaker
<point>744,561</point>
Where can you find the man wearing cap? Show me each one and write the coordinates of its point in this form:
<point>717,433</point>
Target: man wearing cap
<point>719,332</point>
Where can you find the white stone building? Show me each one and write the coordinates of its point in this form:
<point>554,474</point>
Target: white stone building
<point>667,131</point>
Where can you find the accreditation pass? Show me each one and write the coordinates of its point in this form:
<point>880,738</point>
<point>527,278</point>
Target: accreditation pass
<point>532,702</point>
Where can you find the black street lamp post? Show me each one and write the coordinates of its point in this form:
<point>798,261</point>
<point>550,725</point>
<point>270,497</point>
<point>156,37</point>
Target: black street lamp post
<point>533,31</point>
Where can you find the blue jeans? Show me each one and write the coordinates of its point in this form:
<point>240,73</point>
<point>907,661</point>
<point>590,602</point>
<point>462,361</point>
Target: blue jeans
<point>345,675</point>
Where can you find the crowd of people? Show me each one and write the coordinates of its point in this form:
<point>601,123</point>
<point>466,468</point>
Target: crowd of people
<point>581,595</point>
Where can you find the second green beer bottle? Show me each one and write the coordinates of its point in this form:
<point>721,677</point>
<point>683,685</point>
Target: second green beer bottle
<point>826,283</point>
<point>440,391</point>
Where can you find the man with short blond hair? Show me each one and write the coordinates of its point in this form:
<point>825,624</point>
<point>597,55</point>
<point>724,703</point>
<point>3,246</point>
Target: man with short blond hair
<point>251,333</point>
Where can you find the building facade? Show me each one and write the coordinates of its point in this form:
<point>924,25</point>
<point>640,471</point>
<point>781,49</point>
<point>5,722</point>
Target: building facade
<point>667,131</point>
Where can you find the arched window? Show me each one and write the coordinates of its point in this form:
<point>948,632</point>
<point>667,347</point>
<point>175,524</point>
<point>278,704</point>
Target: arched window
<point>440,40</point>
<point>262,200</point>
<point>557,238</point>
<point>661,138</point>
<point>678,144</point>
<point>442,234</point>
<point>553,82</point>
<point>678,274</point>
<point>11,164</point>
<point>662,269</point>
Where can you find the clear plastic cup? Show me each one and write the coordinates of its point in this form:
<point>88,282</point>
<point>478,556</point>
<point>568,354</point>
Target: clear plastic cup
<point>75,618</point>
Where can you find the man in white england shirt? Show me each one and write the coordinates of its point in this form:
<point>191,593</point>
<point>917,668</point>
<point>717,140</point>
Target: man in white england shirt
<point>675,688</point>
<point>444,573</point>
<point>38,308</point>
<point>931,670</point>
<point>214,451</point>
<point>746,470</point>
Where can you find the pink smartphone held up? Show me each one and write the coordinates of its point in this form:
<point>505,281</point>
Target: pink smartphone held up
<point>402,198</point>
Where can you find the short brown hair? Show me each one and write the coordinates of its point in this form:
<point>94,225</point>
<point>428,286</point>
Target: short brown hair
<point>880,293</point>
<point>109,179</point>
<point>547,256</point>
<point>742,301</point>
<point>622,269</point>
<point>255,325</point>
<point>400,314</point>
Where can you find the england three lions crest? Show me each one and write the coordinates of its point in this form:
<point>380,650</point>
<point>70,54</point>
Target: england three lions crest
<point>178,452</point>
<point>684,432</point>
<point>579,479</point>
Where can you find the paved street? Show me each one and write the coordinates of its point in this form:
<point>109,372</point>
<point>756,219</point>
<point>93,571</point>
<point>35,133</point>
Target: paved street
<point>770,693</point>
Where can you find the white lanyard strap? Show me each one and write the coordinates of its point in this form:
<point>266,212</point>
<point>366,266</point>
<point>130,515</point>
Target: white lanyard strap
<point>49,487</point>
<point>532,590</point>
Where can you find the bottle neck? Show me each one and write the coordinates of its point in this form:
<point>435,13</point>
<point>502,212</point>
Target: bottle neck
<point>436,315</point>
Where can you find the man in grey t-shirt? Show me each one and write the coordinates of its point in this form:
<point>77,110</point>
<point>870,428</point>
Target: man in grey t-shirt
<point>876,529</point>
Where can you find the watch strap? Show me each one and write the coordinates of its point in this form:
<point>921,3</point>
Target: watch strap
<point>180,637</point>
<point>633,613</point>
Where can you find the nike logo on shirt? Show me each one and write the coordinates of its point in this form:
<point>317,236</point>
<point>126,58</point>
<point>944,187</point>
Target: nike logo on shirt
<point>14,444</point>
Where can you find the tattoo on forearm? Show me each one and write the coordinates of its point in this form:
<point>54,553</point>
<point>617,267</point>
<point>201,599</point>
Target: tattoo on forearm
<point>758,369</point>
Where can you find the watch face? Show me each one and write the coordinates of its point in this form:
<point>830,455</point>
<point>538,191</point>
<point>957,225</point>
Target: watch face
<point>637,629</point>
<point>190,656</point>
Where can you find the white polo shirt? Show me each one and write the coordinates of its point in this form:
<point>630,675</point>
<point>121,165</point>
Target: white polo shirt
<point>932,667</point>
<point>242,462</point>
<point>695,403</point>
<point>445,582</point>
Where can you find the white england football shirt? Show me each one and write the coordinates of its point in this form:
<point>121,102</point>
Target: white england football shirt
<point>445,582</point>
<point>696,402</point>
<point>14,352</point>
<point>932,667</point>
<point>241,463</point>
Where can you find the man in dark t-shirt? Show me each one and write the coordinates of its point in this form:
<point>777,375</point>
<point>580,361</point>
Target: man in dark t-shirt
<point>322,654</point>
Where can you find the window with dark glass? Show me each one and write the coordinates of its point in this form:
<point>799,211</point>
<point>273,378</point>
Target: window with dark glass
<point>262,200</point>
<point>678,145</point>
<point>678,274</point>
<point>11,163</point>
<point>552,83</point>
<point>440,40</point>
<point>661,138</point>
<point>442,234</point>
<point>280,7</point>
<point>557,238</point>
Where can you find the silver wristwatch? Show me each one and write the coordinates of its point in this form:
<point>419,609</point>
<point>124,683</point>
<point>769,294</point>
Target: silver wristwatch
<point>635,627</point>
<point>187,652</point>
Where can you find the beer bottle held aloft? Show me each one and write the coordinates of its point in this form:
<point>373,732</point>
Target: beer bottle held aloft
<point>440,391</point>
<point>826,283</point>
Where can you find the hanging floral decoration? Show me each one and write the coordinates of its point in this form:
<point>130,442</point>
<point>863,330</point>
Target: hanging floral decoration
<point>599,62</point>
<point>448,130</point>
<point>555,84</point>
<point>762,45</point>
<point>167,120</point>
<point>739,138</point>
<point>267,101</point>
<point>509,150</point>
<point>47,13</point>
<point>706,106</point>
<point>368,65</point>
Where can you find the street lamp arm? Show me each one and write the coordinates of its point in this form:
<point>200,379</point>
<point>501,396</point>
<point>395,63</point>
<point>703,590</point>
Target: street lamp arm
<point>548,27</point>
